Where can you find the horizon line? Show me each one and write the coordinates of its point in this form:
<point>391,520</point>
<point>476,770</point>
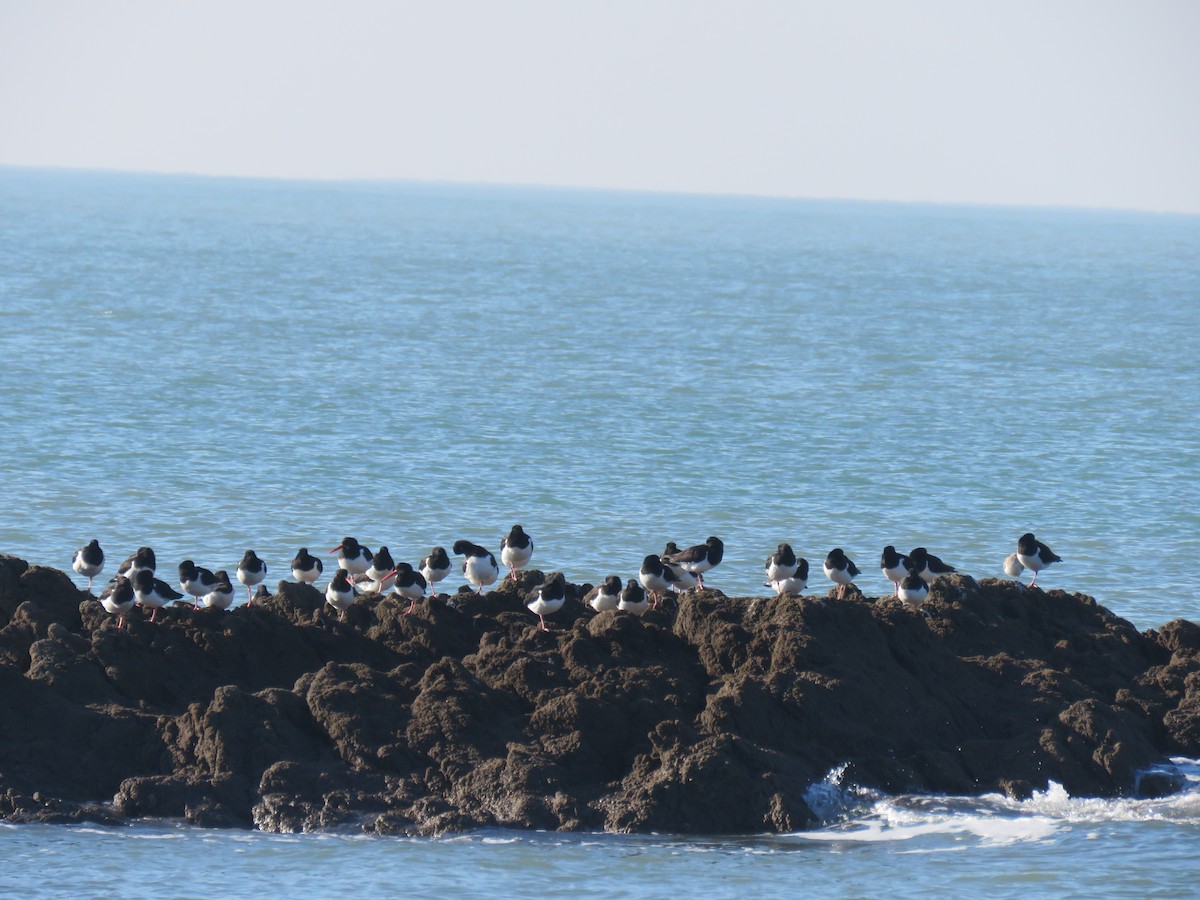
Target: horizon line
<point>584,188</point>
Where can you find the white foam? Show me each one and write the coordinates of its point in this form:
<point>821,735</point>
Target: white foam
<point>856,815</point>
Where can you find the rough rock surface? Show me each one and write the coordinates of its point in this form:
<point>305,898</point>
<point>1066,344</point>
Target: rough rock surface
<point>711,715</point>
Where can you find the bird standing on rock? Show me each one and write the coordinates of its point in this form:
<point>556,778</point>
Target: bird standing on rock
<point>118,598</point>
<point>153,593</point>
<point>607,595</point>
<point>353,557</point>
<point>340,593</point>
<point>407,583</point>
<point>306,568</point>
<point>913,589</point>
<point>840,570</point>
<point>516,549</point>
<point>548,598</point>
<point>195,580</point>
<point>435,567</point>
<point>88,561</point>
<point>700,558</point>
<point>251,571</point>
<point>781,564</point>
<point>656,577</point>
<point>1034,555</point>
<point>894,567</point>
<point>922,562</point>
<point>479,565</point>
<point>633,599</point>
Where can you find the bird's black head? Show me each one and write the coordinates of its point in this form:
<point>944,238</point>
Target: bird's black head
<point>612,584</point>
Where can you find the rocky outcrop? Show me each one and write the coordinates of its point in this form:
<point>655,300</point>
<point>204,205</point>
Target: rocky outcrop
<point>714,714</point>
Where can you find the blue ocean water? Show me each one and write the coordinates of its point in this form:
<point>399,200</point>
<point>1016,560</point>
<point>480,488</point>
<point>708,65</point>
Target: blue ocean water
<point>206,365</point>
<point>1048,846</point>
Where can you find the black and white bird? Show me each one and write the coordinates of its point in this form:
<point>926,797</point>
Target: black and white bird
<point>153,593</point>
<point>306,568</point>
<point>1034,555</point>
<point>221,594</point>
<point>922,562</point>
<point>700,558</point>
<point>408,584</point>
<point>340,593</point>
<point>479,566</point>
<point>435,567</point>
<point>913,589</point>
<point>796,583</point>
<point>516,549</point>
<point>118,598</point>
<point>840,570</point>
<point>382,571</point>
<point>633,599</point>
<point>353,557</point>
<point>681,579</point>
<point>251,571</point>
<point>143,558</point>
<point>607,595</point>
<point>195,580</point>
<point>781,564</point>
<point>656,577</point>
<point>548,598</point>
<point>894,567</point>
<point>88,561</point>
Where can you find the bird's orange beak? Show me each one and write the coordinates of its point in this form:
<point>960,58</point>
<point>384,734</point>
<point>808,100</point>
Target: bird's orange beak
<point>336,549</point>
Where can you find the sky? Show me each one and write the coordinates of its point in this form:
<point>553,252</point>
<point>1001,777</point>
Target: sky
<point>1053,102</point>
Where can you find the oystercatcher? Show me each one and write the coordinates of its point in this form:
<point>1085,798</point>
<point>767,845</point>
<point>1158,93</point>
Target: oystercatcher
<point>516,548</point>
<point>251,571</point>
<point>840,570</point>
<point>88,561</point>
<point>1034,555</point>
<point>479,566</point>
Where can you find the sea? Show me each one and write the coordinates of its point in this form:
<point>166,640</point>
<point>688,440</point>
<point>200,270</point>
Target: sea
<point>207,365</point>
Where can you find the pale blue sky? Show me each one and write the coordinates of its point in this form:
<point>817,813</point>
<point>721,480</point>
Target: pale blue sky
<point>1046,102</point>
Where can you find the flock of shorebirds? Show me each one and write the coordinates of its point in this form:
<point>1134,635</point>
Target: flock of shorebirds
<point>361,571</point>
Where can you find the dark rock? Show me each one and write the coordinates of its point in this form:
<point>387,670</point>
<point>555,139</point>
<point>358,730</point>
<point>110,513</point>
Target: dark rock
<point>710,714</point>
